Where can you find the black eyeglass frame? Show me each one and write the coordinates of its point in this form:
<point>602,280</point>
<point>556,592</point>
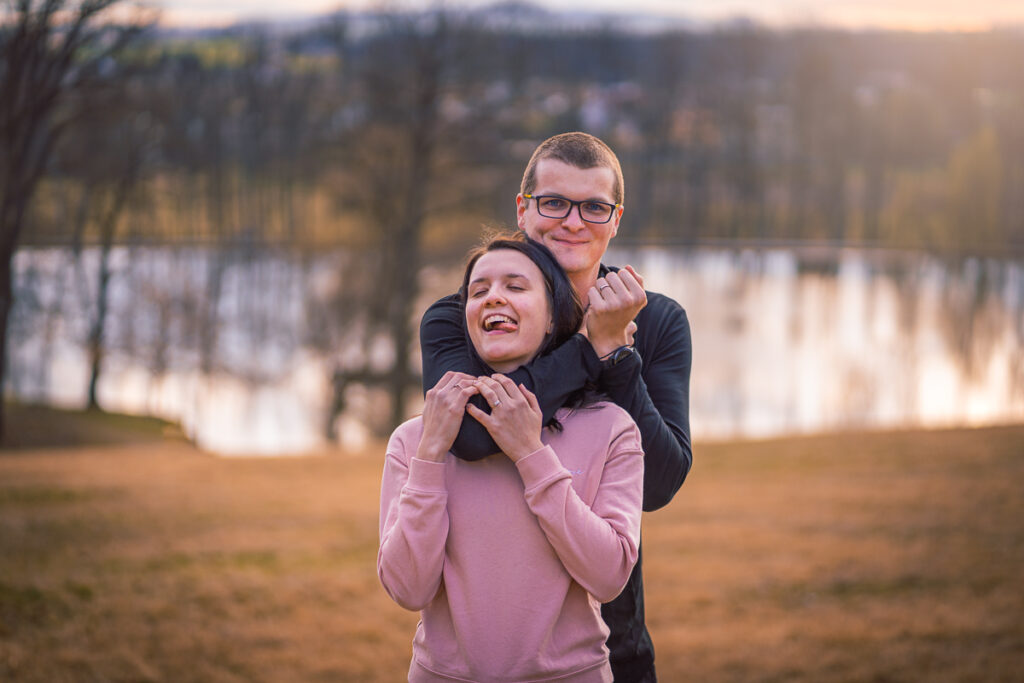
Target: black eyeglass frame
<point>573,205</point>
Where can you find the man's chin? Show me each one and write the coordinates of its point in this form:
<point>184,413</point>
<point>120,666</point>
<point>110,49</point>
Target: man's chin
<point>572,263</point>
<point>565,253</point>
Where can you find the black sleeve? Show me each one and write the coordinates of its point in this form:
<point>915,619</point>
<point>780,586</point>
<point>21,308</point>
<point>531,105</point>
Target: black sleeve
<point>654,387</point>
<point>552,377</point>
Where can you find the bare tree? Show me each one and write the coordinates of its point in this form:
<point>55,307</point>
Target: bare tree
<point>406,73</point>
<point>50,51</point>
<point>102,159</point>
<point>126,177</point>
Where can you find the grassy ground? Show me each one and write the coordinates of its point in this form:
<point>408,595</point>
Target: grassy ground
<point>855,557</point>
<point>38,426</point>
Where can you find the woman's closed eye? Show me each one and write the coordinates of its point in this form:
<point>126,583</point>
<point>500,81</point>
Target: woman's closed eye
<point>514,286</point>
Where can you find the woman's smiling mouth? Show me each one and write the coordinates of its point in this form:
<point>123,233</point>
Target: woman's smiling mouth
<point>500,322</point>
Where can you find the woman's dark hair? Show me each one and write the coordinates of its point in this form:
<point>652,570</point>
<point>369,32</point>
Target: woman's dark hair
<point>566,309</point>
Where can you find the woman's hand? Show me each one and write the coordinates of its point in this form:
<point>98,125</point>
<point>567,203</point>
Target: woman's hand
<point>515,420</point>
<point>443,410</point>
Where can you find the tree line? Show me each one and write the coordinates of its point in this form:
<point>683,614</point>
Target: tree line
<point>399,134</point>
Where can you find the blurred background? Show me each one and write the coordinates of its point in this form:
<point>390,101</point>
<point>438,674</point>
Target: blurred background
<point>225,218</point>
<point>232,216</point>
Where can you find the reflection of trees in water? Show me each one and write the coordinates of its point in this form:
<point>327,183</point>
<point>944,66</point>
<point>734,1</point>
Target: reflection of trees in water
<point>38,316</point>
<point>251,314</point>
<point>813,337</point>
<point>976,298</point>
<point>872,322</point>
<point>344,324</point>
<point>975,305</point>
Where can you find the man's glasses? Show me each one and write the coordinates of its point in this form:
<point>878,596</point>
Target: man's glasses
<point>551,206</point>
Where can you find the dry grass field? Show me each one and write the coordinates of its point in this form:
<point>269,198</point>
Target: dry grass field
<point>853,557</point>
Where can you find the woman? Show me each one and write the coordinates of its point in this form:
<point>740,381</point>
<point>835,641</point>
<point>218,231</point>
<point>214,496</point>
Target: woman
<point>509,557</point>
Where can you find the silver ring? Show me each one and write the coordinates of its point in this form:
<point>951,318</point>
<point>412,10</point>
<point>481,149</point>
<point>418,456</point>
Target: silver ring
<point>603,287</point>
<point>497,403</point>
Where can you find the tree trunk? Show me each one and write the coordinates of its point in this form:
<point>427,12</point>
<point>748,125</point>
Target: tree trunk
<point>6,301</point>
<point>96,334</point>
<point>401,333</point>
<point>108,230</point>
<point>12,213</point>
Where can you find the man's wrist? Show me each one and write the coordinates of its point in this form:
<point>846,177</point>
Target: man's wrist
<point>618,355</point>
<point>606,347</point>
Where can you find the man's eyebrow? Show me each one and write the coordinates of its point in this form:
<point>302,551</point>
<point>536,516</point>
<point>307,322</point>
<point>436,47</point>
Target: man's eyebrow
<point>601,199</point>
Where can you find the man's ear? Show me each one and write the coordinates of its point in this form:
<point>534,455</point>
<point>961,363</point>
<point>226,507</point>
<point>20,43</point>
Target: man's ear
<point>521,210</point>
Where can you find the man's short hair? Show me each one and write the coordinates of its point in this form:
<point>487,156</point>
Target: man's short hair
<point>581,150</point>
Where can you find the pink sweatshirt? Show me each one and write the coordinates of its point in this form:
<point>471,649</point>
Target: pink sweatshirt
<point>509,562</point>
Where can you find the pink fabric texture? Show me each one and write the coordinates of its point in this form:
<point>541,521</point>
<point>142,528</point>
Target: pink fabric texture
<point>508,562</point>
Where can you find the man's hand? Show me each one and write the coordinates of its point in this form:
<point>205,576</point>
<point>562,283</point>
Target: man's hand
<point>442,414</point>
<point>614,301</point>
<point>515,420</point>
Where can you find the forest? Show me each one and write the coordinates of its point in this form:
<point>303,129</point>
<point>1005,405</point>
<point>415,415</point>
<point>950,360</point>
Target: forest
<point>422,122</point>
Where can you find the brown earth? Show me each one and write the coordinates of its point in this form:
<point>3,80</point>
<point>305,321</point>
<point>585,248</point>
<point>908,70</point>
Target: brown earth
<point>850,557</point>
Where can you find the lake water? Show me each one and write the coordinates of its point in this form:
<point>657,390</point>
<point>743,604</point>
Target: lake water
<point>240,349</point>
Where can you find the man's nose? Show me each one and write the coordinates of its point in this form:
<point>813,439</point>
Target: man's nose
<point>575,218</point>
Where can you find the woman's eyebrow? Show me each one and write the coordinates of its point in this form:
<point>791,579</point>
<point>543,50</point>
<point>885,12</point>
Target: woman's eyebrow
<point>506,276</point>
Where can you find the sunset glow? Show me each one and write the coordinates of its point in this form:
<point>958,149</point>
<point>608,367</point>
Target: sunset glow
<point>914,15</point>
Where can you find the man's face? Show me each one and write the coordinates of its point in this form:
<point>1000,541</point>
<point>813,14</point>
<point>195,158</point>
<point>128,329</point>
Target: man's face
<point>577,244</point>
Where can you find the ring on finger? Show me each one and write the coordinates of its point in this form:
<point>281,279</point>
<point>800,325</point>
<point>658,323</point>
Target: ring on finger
<point>603,287</point>
<point>497,403</point>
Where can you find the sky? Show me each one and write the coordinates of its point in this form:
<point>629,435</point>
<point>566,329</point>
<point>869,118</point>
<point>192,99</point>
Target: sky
<point>917,15</point>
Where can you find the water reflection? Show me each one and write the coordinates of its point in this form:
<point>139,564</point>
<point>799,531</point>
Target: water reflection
<point>238,347</point>
<point>806,340</point>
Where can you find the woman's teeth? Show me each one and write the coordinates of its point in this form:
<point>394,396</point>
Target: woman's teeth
<point>499,322</point>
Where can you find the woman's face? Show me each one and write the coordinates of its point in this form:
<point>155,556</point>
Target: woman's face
<point>507,309</point>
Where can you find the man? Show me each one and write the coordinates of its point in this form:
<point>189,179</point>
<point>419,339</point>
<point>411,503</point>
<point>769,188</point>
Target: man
<point>571,200</point>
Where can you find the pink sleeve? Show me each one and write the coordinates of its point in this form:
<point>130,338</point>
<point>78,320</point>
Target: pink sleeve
<point>598,544</point>
<point>413,527</point>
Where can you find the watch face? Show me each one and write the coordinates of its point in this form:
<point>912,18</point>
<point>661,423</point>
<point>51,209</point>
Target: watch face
<point>621,354</point>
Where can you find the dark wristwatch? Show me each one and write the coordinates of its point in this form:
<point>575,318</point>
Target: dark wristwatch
<point>618,355</point>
